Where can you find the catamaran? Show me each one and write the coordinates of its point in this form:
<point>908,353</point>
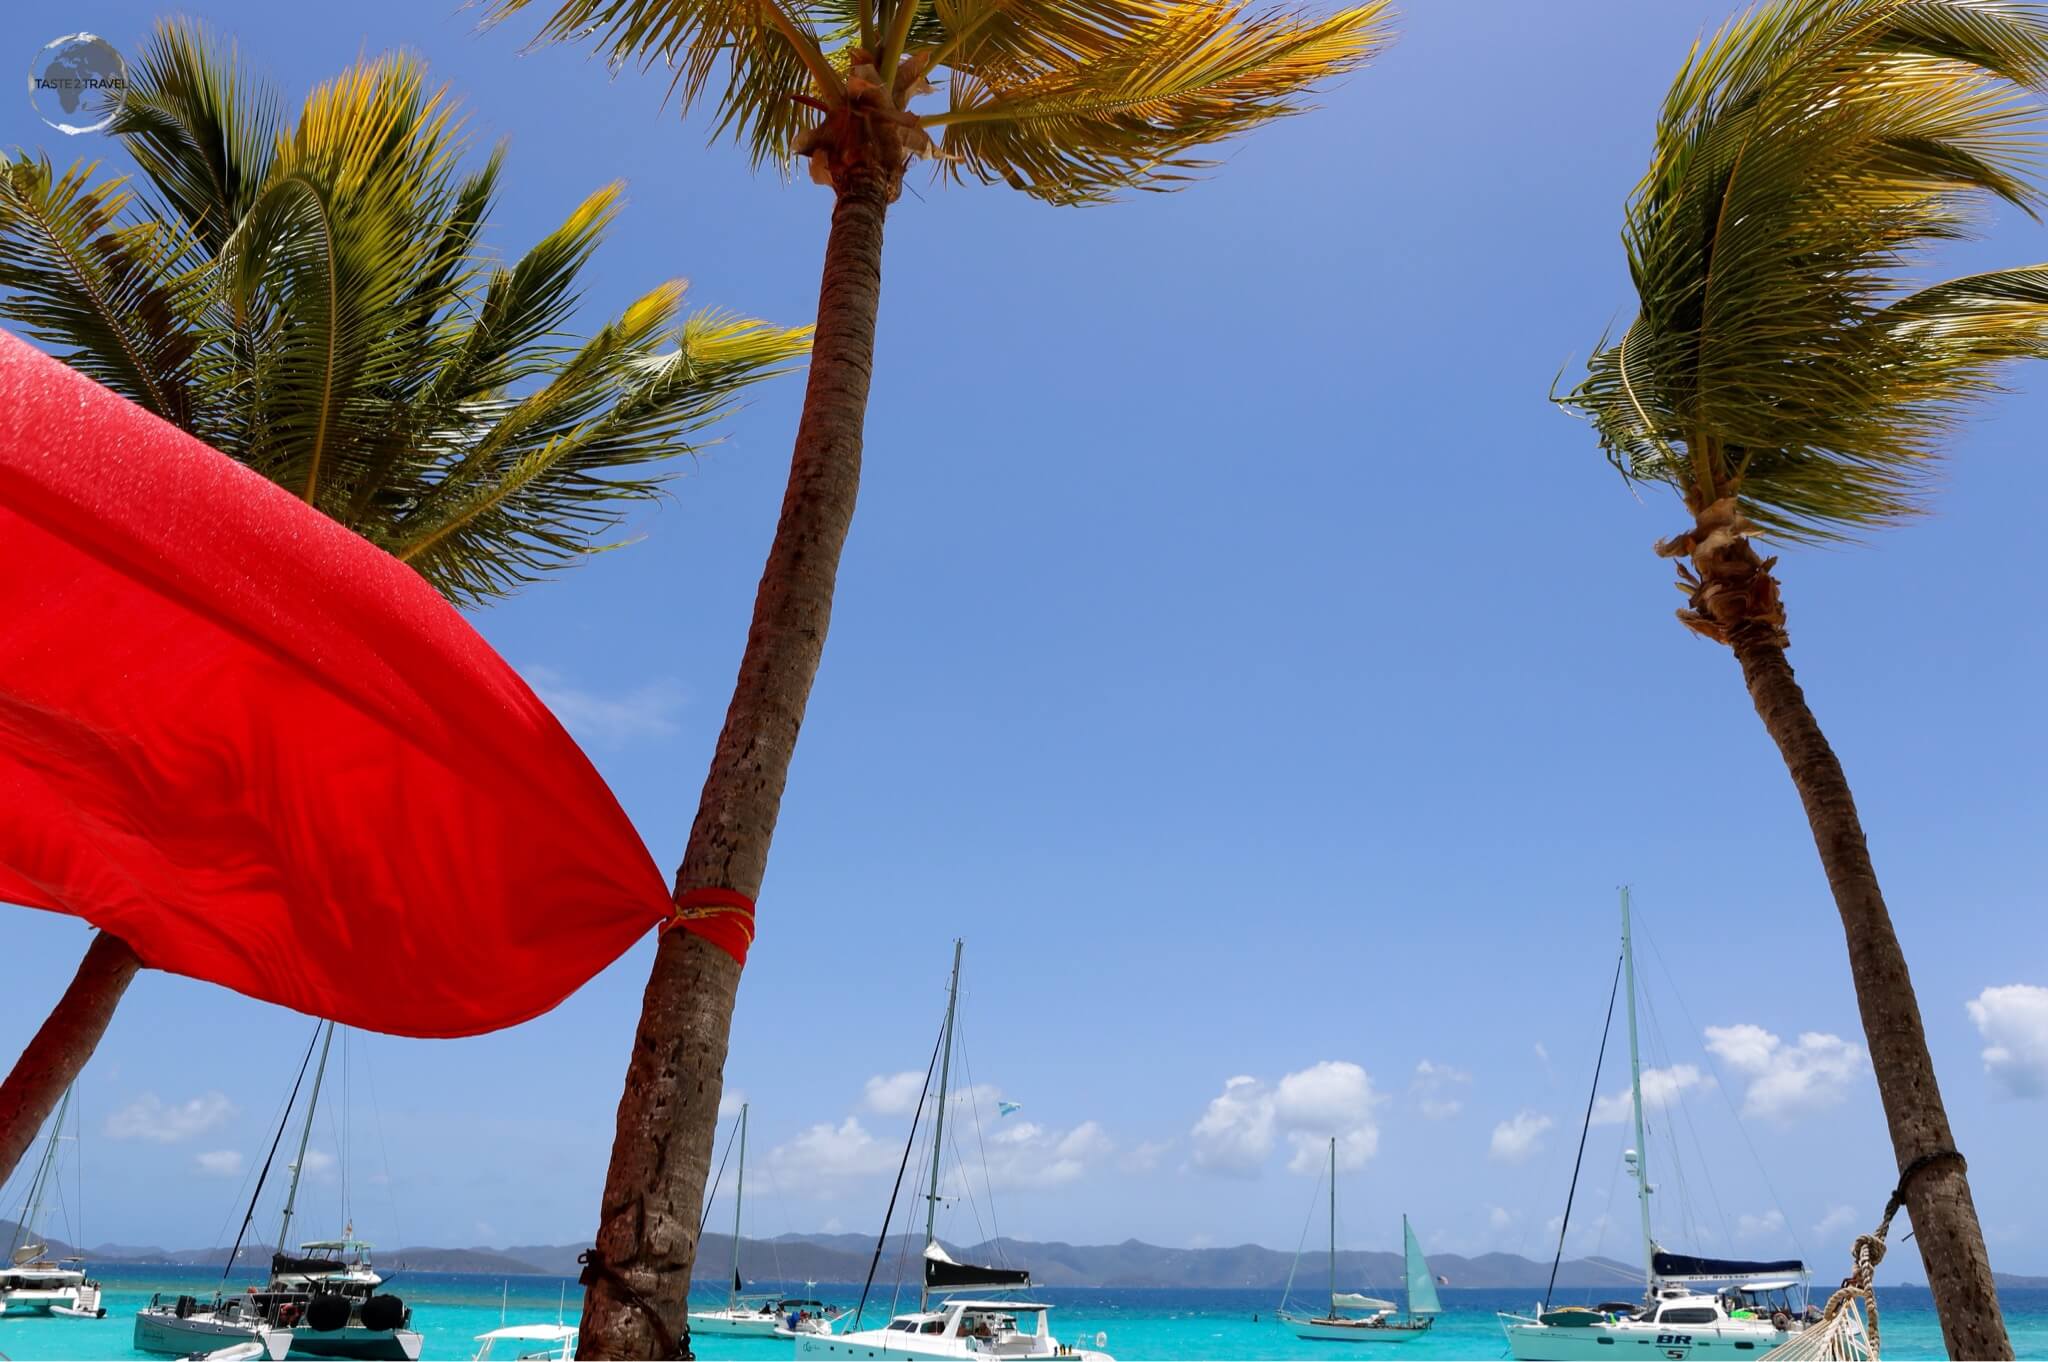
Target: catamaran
<point>956,1327</point>
<point>1700,1309</point>
<point>322,1301</point>
<point>1355,1318</point>
<point>767,1316</point>
<point>33,1283</point>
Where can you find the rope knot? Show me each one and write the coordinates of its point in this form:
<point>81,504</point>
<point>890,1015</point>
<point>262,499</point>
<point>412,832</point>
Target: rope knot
<point>723,917</point>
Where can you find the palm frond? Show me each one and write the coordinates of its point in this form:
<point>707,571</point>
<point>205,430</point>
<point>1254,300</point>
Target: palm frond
<point>79,273</point>
<point>199,128</point>
<point>556,471</point>
<point>1128,112</point>
<point>1068,100</point>
<point>1805,156</point>
<point>348,336</point>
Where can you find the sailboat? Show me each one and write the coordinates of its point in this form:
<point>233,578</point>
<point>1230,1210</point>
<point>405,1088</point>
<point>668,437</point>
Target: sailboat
<point>954,1326</point>
<point>322,1301</point>
<point>767,1317</point>
<point>31,1282</point>
<point>1757,1306</point>
<point>1353,1318</point>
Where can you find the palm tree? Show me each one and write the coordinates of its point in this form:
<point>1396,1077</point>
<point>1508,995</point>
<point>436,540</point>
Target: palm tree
<point>313,302</point>
<point>1783,379</point>
<point>1070,101</point>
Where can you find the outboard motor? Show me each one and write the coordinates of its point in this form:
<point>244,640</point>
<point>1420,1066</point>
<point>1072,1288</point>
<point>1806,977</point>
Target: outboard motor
<point>327,1312</point>
<point>384,1312</point>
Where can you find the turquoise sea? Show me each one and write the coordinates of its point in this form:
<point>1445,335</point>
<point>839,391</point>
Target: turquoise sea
<point>1141,1325</point>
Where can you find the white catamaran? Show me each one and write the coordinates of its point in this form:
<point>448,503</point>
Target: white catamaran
<point>31,1282</point>
<point>956,1328</point>
<point>1699,1309</point>
<point>768,1316</point>
<point>322,1301</point>
<point>1353,1318</point>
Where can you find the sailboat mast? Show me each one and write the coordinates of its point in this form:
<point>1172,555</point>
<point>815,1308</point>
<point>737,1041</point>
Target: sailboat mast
<point>1635,1081</point>
<point>32,1210</point>
<point>291,1196</point>
<point>931,1209</point>
<point>1333,1227</point>
<point>732,1299</point>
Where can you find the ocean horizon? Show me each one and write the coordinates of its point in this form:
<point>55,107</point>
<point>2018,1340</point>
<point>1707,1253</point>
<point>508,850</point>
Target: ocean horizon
<point>1137,1324</point>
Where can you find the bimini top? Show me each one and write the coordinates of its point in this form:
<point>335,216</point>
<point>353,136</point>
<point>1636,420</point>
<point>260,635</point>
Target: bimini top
<point>1683,1267</point>
<point>1775,1284</point>
<point>530,1333</point>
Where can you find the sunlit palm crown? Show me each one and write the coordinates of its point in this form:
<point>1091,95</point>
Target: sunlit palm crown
<point>1068,100</point>
<point>1805,158</point>
<point>314,302</point>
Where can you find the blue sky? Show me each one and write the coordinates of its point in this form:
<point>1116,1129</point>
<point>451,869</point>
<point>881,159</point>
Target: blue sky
<point>1240,653</point>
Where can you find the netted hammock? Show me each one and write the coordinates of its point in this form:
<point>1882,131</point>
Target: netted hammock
<point>1848,1326</point>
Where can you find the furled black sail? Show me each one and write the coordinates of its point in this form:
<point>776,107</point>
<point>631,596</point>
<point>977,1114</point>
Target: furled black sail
<point>1683,1266</point>
<point>941,1273</point>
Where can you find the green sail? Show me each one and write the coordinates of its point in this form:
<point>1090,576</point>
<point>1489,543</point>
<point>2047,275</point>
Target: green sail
<point>1421,1283</point>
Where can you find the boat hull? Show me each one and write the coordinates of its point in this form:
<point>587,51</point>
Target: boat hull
<point>73,1299</point>
<point>1535,1342</point>
<point>162,1331</point>
<point>1352,1331</point>
<point>890,1344</point>
<point>739,1324</point>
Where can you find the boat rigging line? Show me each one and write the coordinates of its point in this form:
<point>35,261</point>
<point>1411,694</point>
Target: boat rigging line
<point>704,1216</point>
<point>882,1239</point>
<point>275,1140</point>
<point>1592,1098</point>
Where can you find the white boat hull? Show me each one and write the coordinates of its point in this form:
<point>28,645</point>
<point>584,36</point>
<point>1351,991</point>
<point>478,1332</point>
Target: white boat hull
<point>894,1344</point>
<point>162,1331</point>
<point>59,1293</point>
<point>1352,1331</point>
<point>1729,1341</point>
<point>733,1323</point>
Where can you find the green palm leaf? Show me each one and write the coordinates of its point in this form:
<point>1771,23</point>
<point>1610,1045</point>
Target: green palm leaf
<point>315,302</point>
<point>1805,156</point>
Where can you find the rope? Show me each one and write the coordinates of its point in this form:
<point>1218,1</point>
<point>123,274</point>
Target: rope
<point>1834,1335</point>
<point>596,1269</point>
<point>723,917</point>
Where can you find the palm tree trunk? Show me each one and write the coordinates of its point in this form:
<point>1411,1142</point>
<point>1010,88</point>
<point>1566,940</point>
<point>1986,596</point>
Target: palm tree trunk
<point>62,1045</point>
<point>1938,1195</point>
<point>661,1153</point>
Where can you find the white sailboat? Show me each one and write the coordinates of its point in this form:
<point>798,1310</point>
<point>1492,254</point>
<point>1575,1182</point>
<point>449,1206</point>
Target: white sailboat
<point>957,1328</point>
<point>1354,1318</point>
<point>767,1316</point>
<point>31,1282</point>
<point>322,1301</point>
<point>1699,1309</point>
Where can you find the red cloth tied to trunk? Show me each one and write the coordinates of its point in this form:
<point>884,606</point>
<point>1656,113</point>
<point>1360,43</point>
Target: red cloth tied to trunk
<point>267,754</point>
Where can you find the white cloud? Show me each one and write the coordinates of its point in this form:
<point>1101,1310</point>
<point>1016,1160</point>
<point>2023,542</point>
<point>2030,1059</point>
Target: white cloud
<point>1026,1154</point>
<point>729,1103</point>
<point>220,1163</point>
<point>1519,1137</point>
<point>1499,1218</point>
<point>1659,1087</point>
<point>1835,1221</point>
<point>1235,1134</point>
<point>2013,1019</point>
<point>319,1163</point>
<point>893,1094</point>
<point>1145,1157</point>
<point>828,1151</point>
<point>1238,1130</point>
<point>647,711</point>
<point>1438,1088</point>
<point>149,1117</point>
<point>1769,1225</point>
<point>1787,1080</point>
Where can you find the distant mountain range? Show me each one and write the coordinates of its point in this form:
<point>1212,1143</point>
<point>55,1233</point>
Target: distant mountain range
<point>797,1258</point>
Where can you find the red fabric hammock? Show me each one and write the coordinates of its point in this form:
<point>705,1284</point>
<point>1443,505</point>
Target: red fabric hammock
<point>267,754</point>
